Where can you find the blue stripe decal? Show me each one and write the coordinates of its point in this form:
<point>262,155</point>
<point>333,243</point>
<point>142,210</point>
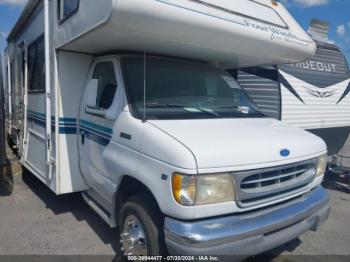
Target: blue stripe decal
<point>68,130</point>
<point>69,126</point>
<point>99,134</point>
<point>96,138</point>
<point>95,126</point>
<point>37,118</point>
<point>66,125</point>
<point>37,121</point>
<point>68,120</point>
<point>36,113</point>
<point>96,131</point>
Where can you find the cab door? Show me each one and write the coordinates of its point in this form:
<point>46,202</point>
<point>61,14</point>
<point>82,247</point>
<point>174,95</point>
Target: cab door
<point>96,130</point>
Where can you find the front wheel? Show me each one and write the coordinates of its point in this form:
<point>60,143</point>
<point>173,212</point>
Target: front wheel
<point>141,227</point>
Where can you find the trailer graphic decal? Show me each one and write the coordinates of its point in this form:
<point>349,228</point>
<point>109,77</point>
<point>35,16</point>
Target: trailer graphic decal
<point>287,85</point>
<point>320,94</point>
<point>347,91</point>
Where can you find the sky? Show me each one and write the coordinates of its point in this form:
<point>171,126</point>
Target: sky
<point>337,12</point>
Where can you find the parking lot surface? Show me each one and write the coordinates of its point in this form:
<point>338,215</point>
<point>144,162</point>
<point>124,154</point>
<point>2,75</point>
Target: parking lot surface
<point>34,221</point>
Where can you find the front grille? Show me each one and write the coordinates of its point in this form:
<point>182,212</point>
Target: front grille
<point>265,180</point>
<point>264,185</point>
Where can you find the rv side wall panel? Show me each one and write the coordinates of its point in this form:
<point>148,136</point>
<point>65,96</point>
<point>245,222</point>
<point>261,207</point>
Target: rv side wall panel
<point>73,69</point>
<point>90,14</point>
<point>263,88</point>
<point>29,32</point>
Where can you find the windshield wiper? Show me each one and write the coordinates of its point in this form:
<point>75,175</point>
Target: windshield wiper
<point>203,110</point>
<point>165,105</point>
<point>241,110</point>
<point>237,108</point>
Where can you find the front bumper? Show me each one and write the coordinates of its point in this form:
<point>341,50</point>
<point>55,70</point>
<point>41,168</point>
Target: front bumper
<point>251,233</point>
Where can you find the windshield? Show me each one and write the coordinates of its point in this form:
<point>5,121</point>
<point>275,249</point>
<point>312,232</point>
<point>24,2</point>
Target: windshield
<point>183,90</point>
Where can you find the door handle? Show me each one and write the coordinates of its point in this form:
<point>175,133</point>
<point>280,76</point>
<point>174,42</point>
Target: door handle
<point>82,136</point>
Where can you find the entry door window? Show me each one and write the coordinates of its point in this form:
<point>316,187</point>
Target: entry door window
<point>107,84</point>
<point>36,66</point>
<point>23,67</point>
<point>67,8</point>
<point>13,76</point>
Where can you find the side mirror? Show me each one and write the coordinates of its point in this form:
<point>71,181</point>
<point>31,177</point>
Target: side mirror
<point>92,89</point>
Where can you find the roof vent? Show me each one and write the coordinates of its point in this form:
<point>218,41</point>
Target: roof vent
<point>319,30</point>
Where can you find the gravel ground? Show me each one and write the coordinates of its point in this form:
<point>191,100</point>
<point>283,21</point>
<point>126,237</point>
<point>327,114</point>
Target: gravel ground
<point>34,221</point>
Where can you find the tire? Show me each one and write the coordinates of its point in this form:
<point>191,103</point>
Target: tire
<point>144,209</point>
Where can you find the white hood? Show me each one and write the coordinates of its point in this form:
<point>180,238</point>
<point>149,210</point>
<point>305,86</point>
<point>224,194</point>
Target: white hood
<point>237,142</point>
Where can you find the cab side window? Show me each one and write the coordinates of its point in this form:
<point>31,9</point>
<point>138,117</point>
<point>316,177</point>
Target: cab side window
<point>107,84</point>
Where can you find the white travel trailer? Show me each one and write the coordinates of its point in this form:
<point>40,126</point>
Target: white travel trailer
<point>313,94</point>
<point>128,102</point>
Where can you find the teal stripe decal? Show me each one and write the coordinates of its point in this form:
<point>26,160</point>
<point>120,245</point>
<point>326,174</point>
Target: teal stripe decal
<point>95,126</point>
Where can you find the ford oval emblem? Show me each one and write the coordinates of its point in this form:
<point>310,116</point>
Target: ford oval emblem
<point>284,152</point>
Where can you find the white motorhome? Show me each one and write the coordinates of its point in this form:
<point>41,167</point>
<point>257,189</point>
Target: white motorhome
<point>128,102</point>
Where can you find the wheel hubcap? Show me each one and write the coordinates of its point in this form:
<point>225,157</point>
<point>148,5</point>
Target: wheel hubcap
<point>133,239</point>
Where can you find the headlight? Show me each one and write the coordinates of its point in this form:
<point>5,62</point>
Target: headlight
<point>184,189</point>
<point>322,162</point>
<point>202,189</point>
